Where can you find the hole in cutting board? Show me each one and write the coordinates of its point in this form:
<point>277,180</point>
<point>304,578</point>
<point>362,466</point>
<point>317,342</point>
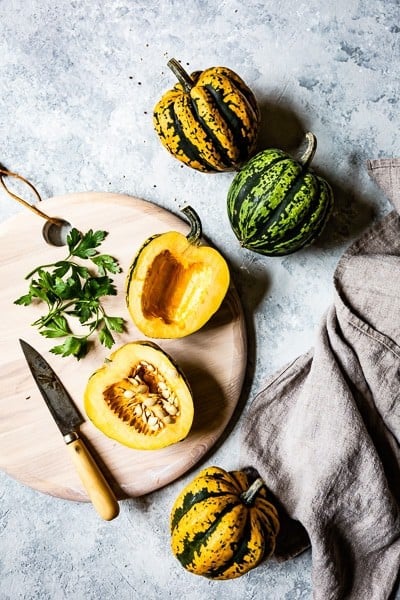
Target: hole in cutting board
<point>56,233</point>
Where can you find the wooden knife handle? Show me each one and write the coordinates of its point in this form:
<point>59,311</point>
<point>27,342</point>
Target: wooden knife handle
<point>99,491</point>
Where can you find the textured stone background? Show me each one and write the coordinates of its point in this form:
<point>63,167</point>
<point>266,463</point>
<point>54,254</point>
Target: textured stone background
<point>78,83</point>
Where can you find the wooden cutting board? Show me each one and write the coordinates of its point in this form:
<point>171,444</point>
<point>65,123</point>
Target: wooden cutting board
<point>31,447</point>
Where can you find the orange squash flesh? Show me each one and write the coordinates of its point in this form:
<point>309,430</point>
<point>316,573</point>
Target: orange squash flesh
<point>175,285</point>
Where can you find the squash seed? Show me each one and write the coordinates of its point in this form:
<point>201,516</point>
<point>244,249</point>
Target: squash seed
<point>170,408</point>
<point>159,411</point>
<point>150,401</point>
<point>129,394</point>
<point>142,389</point>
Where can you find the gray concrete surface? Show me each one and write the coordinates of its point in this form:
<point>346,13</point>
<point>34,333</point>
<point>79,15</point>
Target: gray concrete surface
<point>78,83</point>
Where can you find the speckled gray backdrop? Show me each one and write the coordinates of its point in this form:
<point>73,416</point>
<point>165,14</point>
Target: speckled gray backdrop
<point>78,82</point>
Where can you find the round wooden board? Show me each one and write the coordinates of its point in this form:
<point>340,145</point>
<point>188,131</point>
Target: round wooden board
<point>31,447</point>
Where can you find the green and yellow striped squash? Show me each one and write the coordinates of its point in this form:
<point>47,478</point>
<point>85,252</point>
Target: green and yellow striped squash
<point>209,120</point>
<point>221,527</point>
<point>276,204</point>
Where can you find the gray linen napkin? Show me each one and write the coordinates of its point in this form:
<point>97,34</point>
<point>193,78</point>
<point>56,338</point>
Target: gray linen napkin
<point>325,432</point>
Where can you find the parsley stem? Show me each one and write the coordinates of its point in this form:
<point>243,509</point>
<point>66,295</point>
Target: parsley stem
<point>52,265</point>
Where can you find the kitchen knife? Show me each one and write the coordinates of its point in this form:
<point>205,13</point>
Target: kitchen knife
<point>68,419</point>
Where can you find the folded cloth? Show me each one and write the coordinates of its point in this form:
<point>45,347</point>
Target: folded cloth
<point>324,434</point>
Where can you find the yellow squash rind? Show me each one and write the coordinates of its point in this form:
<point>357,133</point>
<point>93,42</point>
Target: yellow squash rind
<point>209,120</point>
<point>216,531</point>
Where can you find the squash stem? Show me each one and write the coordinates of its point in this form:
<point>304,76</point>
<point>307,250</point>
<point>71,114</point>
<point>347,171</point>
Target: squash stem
<point>183,77</point>
<point>249,495</point>
<point>195,232</point>
<point>309,152</point>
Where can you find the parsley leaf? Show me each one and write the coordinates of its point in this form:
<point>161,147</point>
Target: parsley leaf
<point>56,327</point>
<point>105,337</point>
<point>72,345</point>
<point>24,300</point>
<point>74,291</point>
<point>114,323</point>
<point>73,239</point>
<point>105,262</point>
<point>96,287</point>
<point>86,246</point>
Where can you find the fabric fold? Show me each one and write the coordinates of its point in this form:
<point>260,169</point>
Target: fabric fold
<point>324,433</point>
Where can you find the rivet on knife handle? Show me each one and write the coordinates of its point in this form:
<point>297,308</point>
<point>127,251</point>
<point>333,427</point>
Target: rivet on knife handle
<point>99,491</point>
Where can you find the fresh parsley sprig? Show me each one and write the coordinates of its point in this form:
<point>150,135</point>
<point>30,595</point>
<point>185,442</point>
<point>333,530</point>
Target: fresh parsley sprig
<point>71,290</point>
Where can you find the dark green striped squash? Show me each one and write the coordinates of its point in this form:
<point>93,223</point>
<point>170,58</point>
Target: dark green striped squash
<point>278,205</point>
<point>221,526</point>
<point>209,120</point>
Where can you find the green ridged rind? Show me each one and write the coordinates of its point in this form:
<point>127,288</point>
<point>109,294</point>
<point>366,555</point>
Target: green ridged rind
<point>276,206</point>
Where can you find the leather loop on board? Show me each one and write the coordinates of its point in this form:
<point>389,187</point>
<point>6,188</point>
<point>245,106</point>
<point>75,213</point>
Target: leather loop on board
<point>32,207</point>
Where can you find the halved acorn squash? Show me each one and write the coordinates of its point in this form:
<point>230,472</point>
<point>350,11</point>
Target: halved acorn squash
<point>175,285</point>
<point>140,398</point>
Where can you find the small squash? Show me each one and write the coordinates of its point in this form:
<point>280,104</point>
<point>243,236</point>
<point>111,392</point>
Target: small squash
<point>221,527</point>
<point>276,204</point>
<point>174,285</point>
<point>209,120</point>
<point>140,398</point>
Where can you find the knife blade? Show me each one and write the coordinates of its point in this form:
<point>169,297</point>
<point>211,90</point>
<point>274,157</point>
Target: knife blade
<point>68,419</point>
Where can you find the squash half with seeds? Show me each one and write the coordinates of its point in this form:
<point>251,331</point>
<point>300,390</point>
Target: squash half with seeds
<point>174,284</point>
<point>209,120</point>
<point>140,398</point>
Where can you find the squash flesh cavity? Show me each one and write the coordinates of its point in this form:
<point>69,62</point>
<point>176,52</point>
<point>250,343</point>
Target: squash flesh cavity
<point>170,288</point>
<point>175,286</point>
<point>140,398</point>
